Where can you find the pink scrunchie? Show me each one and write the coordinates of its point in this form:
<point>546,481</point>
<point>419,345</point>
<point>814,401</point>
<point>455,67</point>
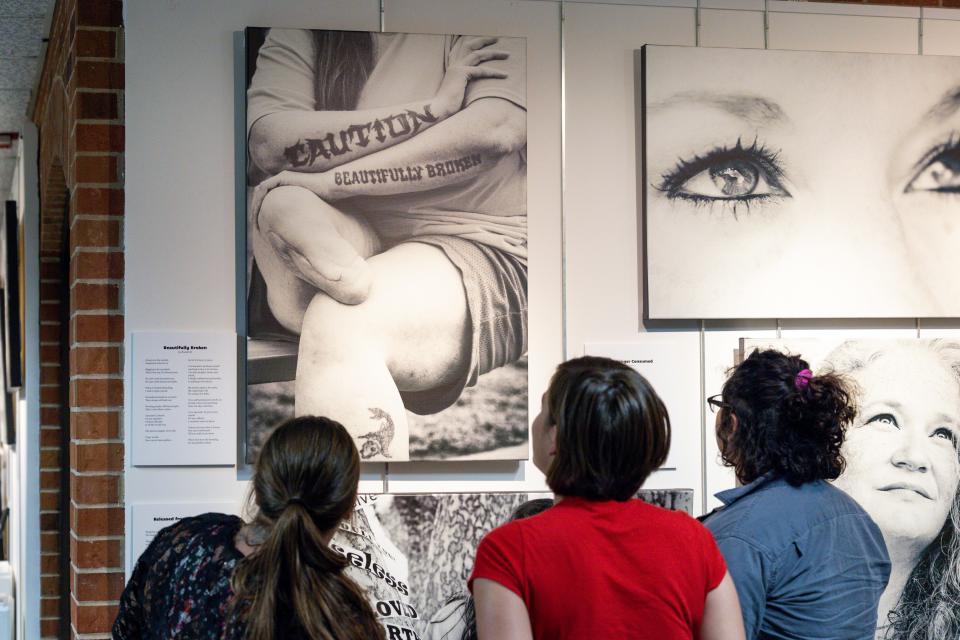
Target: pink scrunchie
<point>802,379</point>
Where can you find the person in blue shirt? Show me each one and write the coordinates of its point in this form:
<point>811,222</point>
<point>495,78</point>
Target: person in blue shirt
<point>807,560</point>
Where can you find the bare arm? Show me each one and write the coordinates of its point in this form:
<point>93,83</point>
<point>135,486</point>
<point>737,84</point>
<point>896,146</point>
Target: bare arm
<point>464,145</point>
<point>501,614</point>
<point>721,613</point>
<point>310,141</point>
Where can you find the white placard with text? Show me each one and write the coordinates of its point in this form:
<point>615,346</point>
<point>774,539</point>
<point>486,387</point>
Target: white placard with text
<point>184,398</point>
<point>147,519</point>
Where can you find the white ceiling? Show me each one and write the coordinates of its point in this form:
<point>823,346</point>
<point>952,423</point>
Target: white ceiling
<point>23,26</point>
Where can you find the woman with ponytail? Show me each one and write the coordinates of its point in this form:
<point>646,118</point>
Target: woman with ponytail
<point>214,576</point>
<point>807,560</point>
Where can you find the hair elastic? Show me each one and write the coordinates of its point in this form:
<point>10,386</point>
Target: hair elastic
<point>802,379</point>
<point>295,500</point>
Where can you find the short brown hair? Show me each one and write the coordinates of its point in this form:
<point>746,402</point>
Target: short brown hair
<point>612,429</point>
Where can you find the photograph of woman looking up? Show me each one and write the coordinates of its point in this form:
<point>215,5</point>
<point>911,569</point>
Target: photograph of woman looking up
<point>902,467</point>
<point>387,226</point>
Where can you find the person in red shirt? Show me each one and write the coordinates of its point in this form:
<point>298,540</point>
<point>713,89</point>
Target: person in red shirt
<point>600,564</point>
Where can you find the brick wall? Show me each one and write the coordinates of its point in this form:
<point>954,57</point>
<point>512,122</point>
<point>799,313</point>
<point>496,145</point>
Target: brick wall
<point>54,487</point>
<point>79,112</point>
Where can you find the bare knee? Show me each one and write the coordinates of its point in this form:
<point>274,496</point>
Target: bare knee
<point>332,330</point>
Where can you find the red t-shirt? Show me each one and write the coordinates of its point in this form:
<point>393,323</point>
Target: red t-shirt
<point>589,569</point>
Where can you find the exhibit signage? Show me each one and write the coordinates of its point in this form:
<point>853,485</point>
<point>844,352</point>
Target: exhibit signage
<point>147,519</point>
<point>184,398</point>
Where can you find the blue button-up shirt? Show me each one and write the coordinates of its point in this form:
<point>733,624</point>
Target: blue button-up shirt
<point>808,562</point>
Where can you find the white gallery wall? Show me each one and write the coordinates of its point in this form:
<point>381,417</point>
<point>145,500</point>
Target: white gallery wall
<point>585,277</point>
<point>21,477</point>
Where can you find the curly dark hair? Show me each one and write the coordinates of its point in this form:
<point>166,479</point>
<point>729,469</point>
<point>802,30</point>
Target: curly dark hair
<point>794,430</point>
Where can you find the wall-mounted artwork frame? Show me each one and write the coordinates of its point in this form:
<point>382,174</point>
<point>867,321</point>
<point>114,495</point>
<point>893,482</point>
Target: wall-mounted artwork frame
<point>13,300</point>
<point>766,197</point>
<point>10,418</point>
<point>901,454</point>
<point>429,213</point>
<point>9,398</point>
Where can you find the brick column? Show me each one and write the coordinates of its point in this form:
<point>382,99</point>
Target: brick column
<point>79,111</point>
<point>53,482</point>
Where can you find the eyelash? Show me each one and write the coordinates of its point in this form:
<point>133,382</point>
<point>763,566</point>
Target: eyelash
<point>951,436</point>
<point>767,161</point>
<point>881,416</point>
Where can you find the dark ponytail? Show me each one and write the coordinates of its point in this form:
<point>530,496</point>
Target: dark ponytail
<point>293,583</point>
<point>344,60</point>
<point>787,420</point>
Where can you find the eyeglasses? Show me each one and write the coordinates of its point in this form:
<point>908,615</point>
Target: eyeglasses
<point>717,403</point>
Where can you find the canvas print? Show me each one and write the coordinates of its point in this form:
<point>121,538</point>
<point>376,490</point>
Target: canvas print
<point>386,262</point>
<point>413,553</point>
<point>9,398</point>
<point>766,195</point>
<point>902,467</point>
<point>13,303</point>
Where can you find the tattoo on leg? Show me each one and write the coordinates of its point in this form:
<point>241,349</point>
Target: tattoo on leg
<point>378,442</point>
<point>409,122</point>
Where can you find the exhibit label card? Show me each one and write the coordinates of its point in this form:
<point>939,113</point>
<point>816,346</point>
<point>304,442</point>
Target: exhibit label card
<point>184,398</point>
<point>147,519</point>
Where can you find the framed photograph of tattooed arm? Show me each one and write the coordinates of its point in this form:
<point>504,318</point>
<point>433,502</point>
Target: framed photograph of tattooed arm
<point>387,239</point>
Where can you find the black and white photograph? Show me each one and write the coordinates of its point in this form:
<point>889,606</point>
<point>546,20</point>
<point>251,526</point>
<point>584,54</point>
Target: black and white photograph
<point>767,195</point>
<point>902,467</point>
<point>413,553</point>
<point>386,228</point>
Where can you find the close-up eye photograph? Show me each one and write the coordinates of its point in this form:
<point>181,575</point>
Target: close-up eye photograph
<point>777,171</point>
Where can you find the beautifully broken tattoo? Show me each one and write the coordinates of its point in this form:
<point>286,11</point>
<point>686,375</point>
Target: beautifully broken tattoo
<point>409,173</point>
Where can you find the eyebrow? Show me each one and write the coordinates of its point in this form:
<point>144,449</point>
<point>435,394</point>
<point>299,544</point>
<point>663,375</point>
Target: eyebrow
<point>892,404</point>
<point>946,106</point>
<point>751,108</point>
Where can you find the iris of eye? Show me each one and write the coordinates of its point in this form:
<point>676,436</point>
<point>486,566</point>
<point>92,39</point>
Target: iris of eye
<point>735,179</point>
<point>946,173</point>
<point>942,174</point>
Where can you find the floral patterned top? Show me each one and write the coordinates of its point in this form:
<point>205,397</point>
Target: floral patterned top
<point>181,584</point>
